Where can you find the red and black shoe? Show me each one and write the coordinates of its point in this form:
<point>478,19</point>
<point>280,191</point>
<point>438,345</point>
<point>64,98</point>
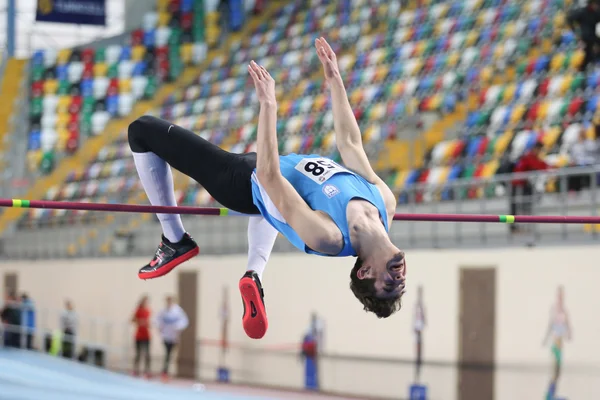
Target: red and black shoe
<point>169,255</point>
<point>255,316</point>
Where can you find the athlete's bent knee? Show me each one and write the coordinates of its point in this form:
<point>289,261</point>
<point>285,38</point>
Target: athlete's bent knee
<point>137,130</point>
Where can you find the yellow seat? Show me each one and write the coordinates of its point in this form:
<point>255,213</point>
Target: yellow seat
<point>63,56</point>
<point>453,59</point>
<point>319,103</point>
<point>557,62</point>
<point>63,104</point>
<point>62,120</point>
<point>186,52</point>
<point>565,84</point>
<point>34,157</point>
<point>577,59</point>
<point>543,110</point>
<point>551,136</point>
<point>138,52</point>
<point>502,143</point>
<point>517,113</point>
<point>162,5</point>
<point>509,93</point>
<point>164,18</point>
<point>50,86</point>
<point>125,86</point>
<point>400,180</point>
<point>100,69</point>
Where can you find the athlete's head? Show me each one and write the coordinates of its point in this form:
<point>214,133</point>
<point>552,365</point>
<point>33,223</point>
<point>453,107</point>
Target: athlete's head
<point>378,282</point>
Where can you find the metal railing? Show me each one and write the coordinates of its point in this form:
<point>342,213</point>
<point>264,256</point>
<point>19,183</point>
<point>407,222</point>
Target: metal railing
<point>492,195</point>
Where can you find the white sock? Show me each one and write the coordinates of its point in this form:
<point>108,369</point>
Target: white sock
<point>157,181</point>
<point>261,239</point>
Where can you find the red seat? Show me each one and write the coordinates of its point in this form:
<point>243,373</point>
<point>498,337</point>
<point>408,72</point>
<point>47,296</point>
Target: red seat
<point>37,88</point>
<point>187,20</point>
<point>75,105</point>
<point>87,55</point>
<point>137,37</point>
<point>72,143</point>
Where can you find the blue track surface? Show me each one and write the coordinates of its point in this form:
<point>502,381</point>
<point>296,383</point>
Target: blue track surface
<point>26,375</point>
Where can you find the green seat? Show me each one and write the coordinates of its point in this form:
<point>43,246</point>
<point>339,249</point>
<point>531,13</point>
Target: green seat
<point>88,105</point>
<point>113,71</point>
<point>100,55</point>
<point>318,142</point>
<point>151,87</point>
<point>567,62</point>
<point>484,117</point>
<point>85,122</point>
<point>176,68</point>
<point>64,88</point>
<point>565,106</point>
<point>523,46</point>
<point>175,37</point>
<point>36,107</point>
<point>521,68</point>
<point>577,82</point>
<point>37,73</point>
<point>47,162</point>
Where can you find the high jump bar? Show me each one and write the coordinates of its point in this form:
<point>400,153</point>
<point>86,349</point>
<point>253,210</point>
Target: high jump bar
<point>222,212</point>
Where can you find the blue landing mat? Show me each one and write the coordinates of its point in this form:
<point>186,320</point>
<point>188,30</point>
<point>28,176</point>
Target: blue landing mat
<point>26,375</point>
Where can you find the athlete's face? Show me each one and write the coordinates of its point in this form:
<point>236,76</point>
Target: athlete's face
<point>389,274</point>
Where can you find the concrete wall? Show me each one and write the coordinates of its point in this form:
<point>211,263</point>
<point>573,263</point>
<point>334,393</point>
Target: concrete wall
<point>296,285</point>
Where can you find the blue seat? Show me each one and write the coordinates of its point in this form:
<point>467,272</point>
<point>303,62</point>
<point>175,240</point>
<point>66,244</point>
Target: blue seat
<point>38,58</point>
<point>35,140</point>
<point>62,72</point>
<point>125,53</point>
<point>150,38</point>
<point>87,87</point>
<point>112,105</point>
<point>139,69</point>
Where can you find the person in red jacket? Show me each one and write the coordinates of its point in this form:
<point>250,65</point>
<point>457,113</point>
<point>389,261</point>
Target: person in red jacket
<point>141,319</point>
<point>521,195</point>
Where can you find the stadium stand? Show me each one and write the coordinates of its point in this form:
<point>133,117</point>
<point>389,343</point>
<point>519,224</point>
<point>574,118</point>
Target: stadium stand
<point>396,63</point>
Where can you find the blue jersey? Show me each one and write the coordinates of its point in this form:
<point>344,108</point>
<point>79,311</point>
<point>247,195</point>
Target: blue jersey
<point>325,186</point>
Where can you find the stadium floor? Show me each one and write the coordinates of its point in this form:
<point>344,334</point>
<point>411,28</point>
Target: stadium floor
<point>26,375</point>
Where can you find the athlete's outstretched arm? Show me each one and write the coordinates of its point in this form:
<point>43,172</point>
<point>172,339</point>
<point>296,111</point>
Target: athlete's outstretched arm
<point>319,233</point>
<point>347,132</point>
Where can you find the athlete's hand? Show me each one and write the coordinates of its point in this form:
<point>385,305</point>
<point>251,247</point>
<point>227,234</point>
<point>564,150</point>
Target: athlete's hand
<point>263,83</point>
<point>328,59</point>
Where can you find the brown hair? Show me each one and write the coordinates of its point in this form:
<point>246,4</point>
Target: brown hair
<point>364,290</point>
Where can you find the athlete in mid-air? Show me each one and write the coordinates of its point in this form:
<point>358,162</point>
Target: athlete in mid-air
<point>320,206</point>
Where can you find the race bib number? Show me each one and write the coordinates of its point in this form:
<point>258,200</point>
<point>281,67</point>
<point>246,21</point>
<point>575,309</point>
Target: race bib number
<point>319,169</point>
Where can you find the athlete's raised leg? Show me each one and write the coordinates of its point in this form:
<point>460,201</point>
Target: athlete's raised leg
<point>261,238</point>
<point>157,144</point>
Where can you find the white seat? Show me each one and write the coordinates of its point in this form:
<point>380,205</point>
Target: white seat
<point>74,72</point>
<point>150,21</point>
<point>49,121</point>
<point>50,103</point>
<point>125,104</point>
<point>138,86</point>
<point>99,121</point>
<point>125,69</point>
<point>112,53</point>
<point>50,56</point>
<point>48,139</point>
<point>101,84</point>
<point>162,36</point>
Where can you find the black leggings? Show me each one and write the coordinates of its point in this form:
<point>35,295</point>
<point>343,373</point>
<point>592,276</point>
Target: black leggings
<point>169,347</point>
<point>142,346</point>
<point>226,176</point>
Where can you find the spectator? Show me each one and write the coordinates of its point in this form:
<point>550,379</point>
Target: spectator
<point>11,319</point>
<point>171,321</point>
<point>521,196</point>
<point>68,326</point>
<point>28,319</point>
<point>141,319</point>
<point>583,154</point>
<point>583,21</point>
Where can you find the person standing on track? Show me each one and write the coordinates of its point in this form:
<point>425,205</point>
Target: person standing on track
<point>320,206</point>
